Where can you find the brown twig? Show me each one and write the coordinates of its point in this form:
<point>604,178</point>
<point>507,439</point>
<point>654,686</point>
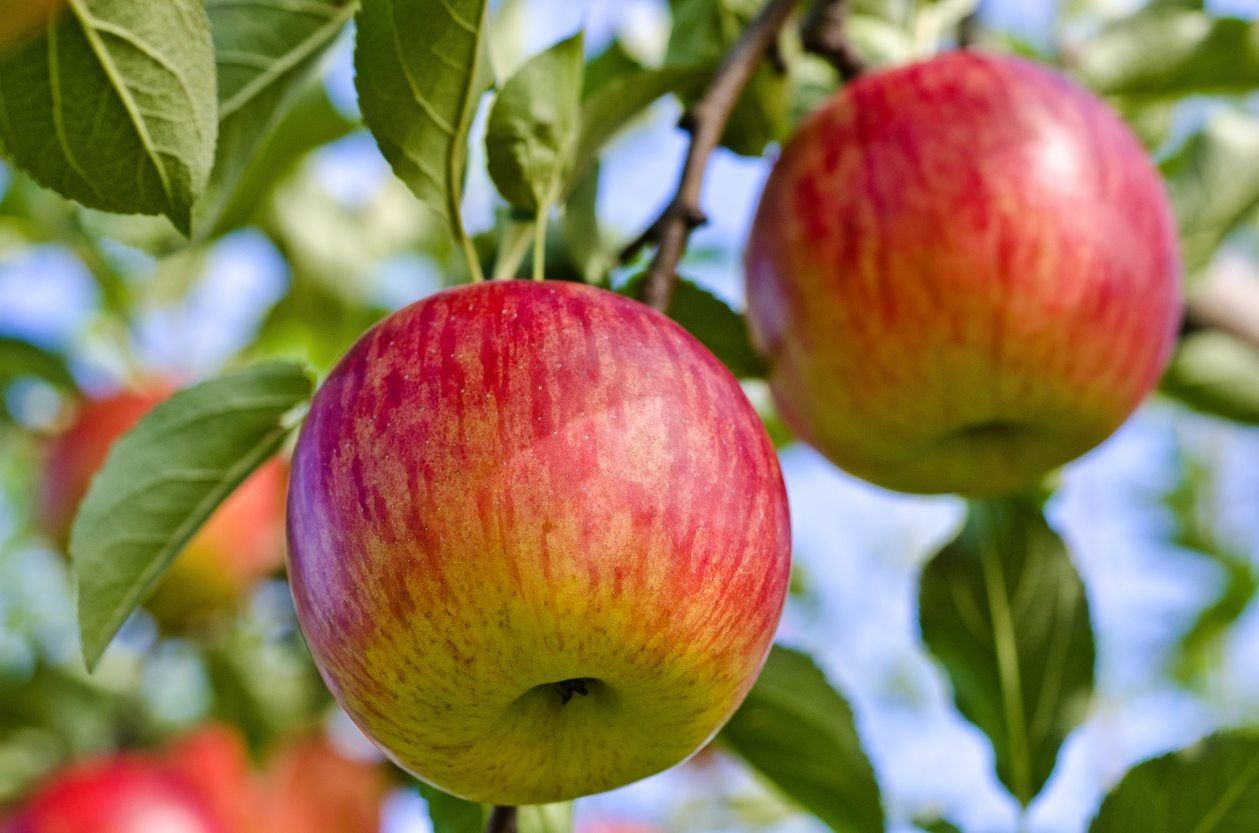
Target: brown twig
<point>706,121</point>
<point>822,33</point>
<point>502,820</point>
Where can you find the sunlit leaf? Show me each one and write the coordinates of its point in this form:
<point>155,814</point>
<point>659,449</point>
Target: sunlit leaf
<point>114,106</point>
<point>798,732</point>
<point>164,478</point>
<point>1170,52</point>
<point>420,68</point>
<point>1213,183</point>
<point>1004,611</point>
<point>265,51</point>
<point>533,127</point>
<point>1212,787</point>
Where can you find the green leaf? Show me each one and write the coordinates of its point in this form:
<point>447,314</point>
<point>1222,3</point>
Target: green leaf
<point>265,51</point>
<point>420,69</point>
<point>114,106</point>
<point>1214,184</point>
<point>164,478</point>
<point>1217,374</point>
<point>583,237</point>
<point>798,732</point>
<point>1173,52</point>
<point>1209,788</point>
<point>21,358</point>
<point>938,826</point>
<point>450,814</point>
<point>607,67</point>
<point>533,126</point>
<point>709,319</point>
<point>310,122</point>
<point>1004,611</point>
<point>703,32</point>
<point>610,107</point>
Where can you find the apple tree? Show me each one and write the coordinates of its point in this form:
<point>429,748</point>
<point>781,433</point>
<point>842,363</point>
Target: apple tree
<point>524,523</point>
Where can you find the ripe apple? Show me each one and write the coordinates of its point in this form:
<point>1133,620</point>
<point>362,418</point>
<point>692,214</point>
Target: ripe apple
<point>124,794</point>
<point>308,785</point>
<point>538,540</point>
<point>215,761</point>
<point>964,273</point>
<point>241,543</point>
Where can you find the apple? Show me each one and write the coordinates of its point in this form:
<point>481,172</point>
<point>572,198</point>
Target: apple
<point>214,760</point>
<point>964,273</point>
<point>538,540</point>
<point>309,785</point>
<point>242,542</point>
<point>123,794</point>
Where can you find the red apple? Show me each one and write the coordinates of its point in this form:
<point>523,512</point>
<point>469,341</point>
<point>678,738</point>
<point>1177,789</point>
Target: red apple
<point>538,540</point>
<point>215,761</point>
<point>242,542</point>
<point>964,273</point>
<point>309,786</point>
<point>125,794</point>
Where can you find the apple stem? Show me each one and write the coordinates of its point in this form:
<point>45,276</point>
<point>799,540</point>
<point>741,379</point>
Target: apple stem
<point>502,820</point>
<point>706,121</point>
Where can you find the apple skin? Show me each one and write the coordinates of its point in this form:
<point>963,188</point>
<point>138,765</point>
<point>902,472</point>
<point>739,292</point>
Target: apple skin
<point>514,484</point>
<point>964,273</point>
<point>124,794</point>
<point>242,542</point>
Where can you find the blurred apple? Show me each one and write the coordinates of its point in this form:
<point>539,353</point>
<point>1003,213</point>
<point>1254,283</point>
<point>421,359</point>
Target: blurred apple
<point>23,20</point>
<point>964,273</point>
<point>215,761</point>
<point>308,785</point>
<point>242,542</point>
<point>124,794</point>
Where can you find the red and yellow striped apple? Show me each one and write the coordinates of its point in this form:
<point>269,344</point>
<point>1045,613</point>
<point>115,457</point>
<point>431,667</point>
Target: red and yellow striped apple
<point>538,540</point>
<point>242,542</point>
<point>964,273</point>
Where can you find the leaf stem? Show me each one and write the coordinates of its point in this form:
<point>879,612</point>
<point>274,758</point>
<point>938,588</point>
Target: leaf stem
<point>502,820</point>
<point>539,243</point>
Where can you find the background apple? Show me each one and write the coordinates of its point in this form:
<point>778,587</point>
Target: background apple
<point>538,540</point>
<point>242,542</point>
<point>124,794</point>
<point>308,785</point>
<point>964,273</point>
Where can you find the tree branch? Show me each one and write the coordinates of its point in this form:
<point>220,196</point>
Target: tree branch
<point>822,33</point>
<point>502,820</point>
<point>706,121</point>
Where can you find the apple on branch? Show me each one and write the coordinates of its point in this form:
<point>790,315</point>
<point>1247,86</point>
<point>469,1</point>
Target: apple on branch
<point>964,273</point>
<point>538,540</point>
